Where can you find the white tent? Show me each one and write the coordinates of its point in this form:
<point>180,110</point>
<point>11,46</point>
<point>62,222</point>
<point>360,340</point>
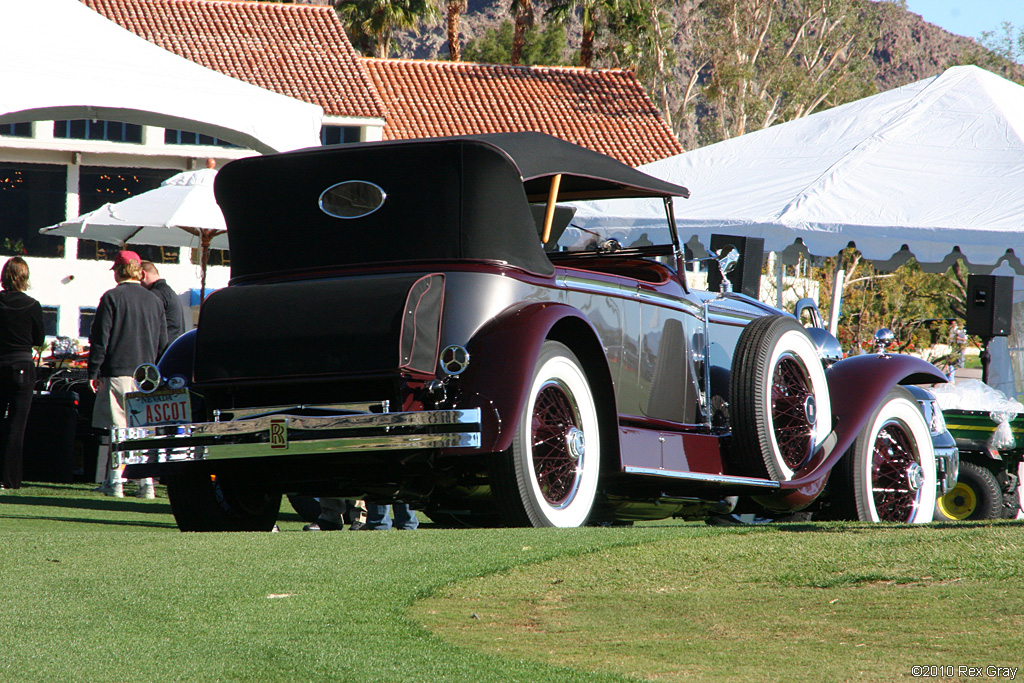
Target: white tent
<point>937,165</point>
<point>61,60</point>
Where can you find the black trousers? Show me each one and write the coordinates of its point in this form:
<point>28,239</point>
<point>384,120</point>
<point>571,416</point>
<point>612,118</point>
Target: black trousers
<point>17,380</point>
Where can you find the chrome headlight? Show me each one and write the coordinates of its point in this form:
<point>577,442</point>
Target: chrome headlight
<point>937,423</point>
<point>933,416</point>
<point>929,408</point>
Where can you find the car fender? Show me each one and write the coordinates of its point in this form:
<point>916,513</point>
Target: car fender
<point>502,359</point>
<point>856,385</point>
<point>179,357</point>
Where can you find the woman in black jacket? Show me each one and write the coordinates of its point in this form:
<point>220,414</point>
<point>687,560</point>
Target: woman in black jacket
<point>21,328</point>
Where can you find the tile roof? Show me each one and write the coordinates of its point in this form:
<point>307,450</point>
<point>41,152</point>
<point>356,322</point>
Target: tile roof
<point>302,51</point>
<point>604,110</point>
<point>296,50</point>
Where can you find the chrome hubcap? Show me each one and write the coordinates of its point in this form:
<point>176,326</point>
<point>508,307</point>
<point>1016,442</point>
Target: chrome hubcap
<point>576,443</point>
<point>811,410</point>
<point>915,476</point>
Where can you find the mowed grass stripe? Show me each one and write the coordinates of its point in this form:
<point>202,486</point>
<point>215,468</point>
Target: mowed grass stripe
<point>841,602</point>
<point>100,589</point>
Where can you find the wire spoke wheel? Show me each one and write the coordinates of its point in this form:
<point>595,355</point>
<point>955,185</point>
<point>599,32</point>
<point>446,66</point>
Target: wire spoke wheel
<point>550,474</point>
<point>896,475</point>
<point>889,474</point>
<point>555,445</point>
<point>791,395</point>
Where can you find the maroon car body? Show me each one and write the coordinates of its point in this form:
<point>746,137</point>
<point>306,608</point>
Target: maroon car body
<point>397,329</point>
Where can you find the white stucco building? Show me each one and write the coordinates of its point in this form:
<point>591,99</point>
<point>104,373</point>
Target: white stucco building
<point>91,113</point>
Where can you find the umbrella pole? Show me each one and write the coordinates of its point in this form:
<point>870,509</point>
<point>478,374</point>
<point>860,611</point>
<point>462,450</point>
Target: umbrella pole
<point>203,260</point>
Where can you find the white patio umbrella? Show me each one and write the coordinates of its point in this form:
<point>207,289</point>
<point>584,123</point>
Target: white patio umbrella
<point>182,212</point>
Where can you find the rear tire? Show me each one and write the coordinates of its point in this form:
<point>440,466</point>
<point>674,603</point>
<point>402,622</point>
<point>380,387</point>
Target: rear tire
<point>888,475</point>
<point>200,502</point>
<point>977,495</point>
<point>548,478</point>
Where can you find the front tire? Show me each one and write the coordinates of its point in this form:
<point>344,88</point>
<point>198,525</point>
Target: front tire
<point>548,478</point>
<point>888,475</point>
<point>977,495</point>
<point>200,502</point>
<point>780,407</point>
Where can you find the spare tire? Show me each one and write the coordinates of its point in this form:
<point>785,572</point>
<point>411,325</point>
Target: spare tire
<point>779,405</point>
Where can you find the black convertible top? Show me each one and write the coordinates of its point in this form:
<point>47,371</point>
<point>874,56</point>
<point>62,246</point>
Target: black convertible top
<point>446,198</point>
<point>585,174</point>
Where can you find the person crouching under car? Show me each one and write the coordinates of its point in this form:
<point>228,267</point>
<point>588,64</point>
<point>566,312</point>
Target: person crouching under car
<point>129,329</point>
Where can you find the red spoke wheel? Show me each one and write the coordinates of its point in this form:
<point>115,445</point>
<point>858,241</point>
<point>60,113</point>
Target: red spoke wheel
<point>557,444</point>
<point>891,465</point>
<point>549,476</point>
<point>794,430</point>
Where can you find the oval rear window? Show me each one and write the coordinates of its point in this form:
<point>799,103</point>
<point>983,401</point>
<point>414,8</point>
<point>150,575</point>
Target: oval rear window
<point>352,199</point>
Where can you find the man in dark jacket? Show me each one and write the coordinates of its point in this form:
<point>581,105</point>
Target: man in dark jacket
<point>129,329</point>
<point>151,280</point>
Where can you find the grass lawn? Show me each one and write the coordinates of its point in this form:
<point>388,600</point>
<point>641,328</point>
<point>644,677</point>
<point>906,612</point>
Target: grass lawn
<point>102,589</point>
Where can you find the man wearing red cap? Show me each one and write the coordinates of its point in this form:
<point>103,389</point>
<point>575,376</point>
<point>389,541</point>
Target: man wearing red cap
<point>129,329</point>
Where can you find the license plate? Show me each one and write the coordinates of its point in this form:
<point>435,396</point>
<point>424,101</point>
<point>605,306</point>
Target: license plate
<point>159,408</point>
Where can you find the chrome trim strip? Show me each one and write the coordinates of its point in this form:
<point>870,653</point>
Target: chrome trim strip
<point>352,444</point>
<point>580,284</point>
<point>702,477</point>
<point>305,435</point>
<point>668,300</point>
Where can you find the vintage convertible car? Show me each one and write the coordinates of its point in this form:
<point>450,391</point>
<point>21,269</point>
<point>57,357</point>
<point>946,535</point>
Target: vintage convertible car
<point>402,324</point>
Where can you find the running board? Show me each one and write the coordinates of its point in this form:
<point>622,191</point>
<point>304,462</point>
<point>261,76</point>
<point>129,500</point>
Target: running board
<point>702,478</point>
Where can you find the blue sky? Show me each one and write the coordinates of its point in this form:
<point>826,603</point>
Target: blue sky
<point>969,17</point>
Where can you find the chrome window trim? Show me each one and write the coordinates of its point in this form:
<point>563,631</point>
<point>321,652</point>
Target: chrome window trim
<point>383,198</point>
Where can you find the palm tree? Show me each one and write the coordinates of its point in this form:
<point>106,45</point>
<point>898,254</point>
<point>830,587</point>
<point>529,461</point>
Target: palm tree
<point>379,19</point>
<point>592,11</point>
<point>522,10</point>
<point>455,10</point>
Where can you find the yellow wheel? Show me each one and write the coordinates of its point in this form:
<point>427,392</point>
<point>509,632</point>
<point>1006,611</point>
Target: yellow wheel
<point>959,503</point>
<point>977,495</point>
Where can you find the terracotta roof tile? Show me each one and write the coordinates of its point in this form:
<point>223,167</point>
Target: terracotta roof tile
<point>302,51</point>
<point>296,50</point>
<point>604,110</point>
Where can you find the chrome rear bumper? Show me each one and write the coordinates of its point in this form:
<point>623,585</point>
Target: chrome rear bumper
<point>283,434</point>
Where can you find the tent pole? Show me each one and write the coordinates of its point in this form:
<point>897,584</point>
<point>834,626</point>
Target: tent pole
<point>985,357</point>
<point>780,276</point>
<point>837,296</point>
